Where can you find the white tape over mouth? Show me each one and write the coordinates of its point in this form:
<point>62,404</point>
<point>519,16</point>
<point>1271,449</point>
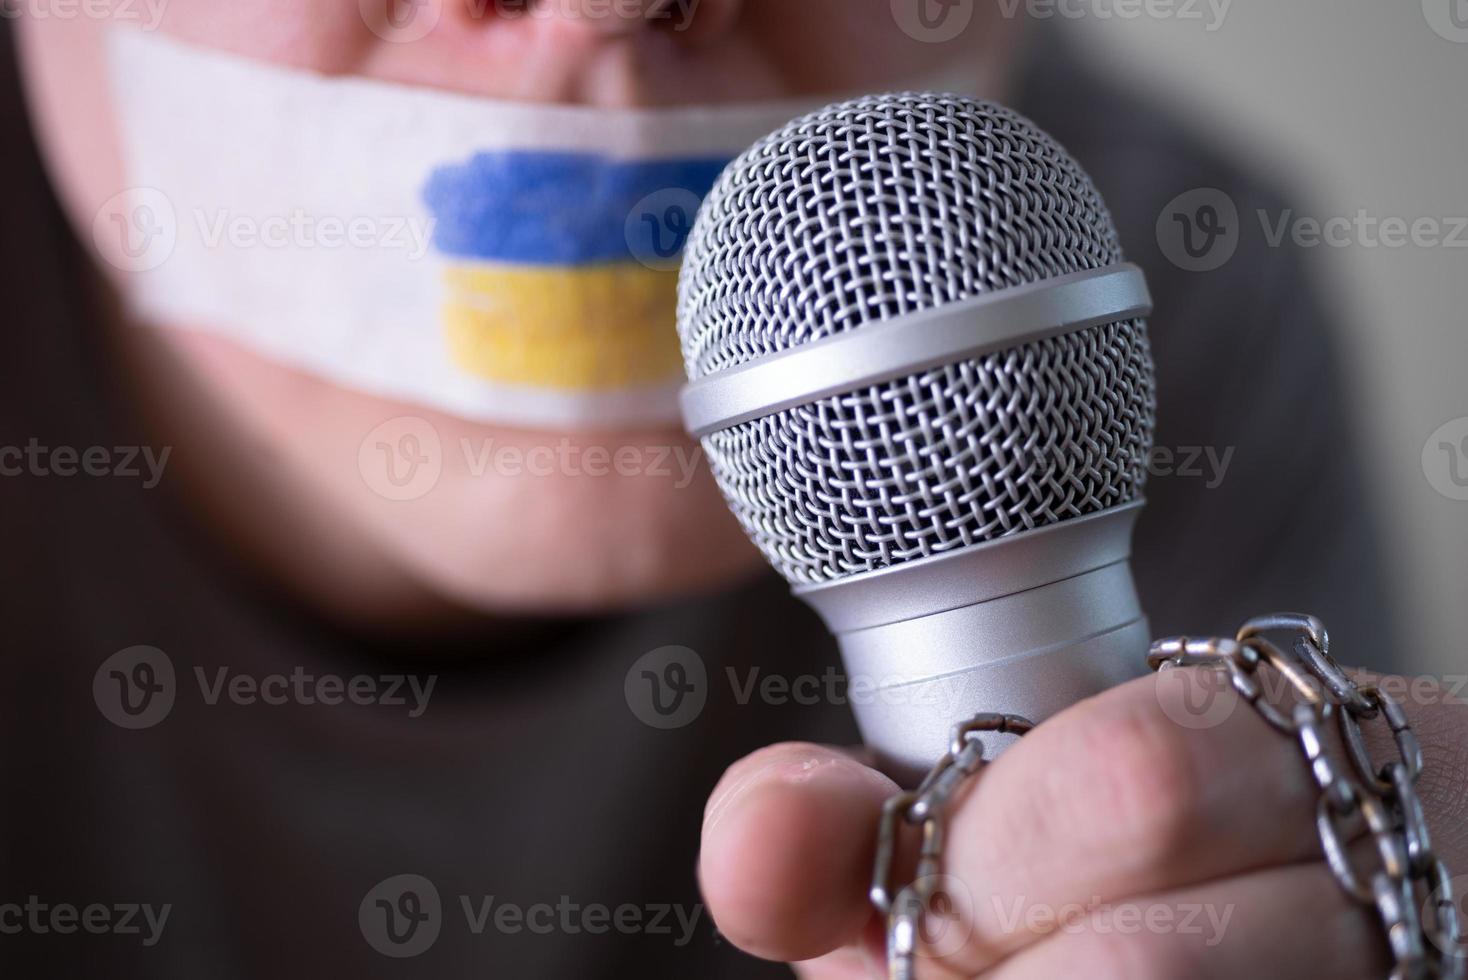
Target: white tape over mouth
<point>284,209</point>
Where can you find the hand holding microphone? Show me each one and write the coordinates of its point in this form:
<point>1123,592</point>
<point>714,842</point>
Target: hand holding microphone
<point>919,368</point>
<point>1111,843</point>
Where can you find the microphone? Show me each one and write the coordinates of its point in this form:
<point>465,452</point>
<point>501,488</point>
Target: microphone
<point>919,369</point>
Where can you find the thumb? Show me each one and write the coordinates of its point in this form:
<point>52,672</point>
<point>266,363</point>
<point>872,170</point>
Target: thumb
<point>787,850</point>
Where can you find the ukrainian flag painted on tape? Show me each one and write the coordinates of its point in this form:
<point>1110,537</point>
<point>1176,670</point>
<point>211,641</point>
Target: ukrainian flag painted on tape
<point>562,267</point>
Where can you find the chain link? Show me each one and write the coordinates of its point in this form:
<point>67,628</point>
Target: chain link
<point>926,807</point>
<point>1407,884</point>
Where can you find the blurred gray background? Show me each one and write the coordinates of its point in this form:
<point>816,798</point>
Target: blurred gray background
<point>1351,105</point>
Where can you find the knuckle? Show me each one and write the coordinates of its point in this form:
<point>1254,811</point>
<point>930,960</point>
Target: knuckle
<point>1140,786</point>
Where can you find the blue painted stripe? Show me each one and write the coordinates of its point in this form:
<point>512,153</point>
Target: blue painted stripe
<point>550,208</point>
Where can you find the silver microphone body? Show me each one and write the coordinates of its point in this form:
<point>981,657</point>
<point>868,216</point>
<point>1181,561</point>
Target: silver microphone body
<point>920,371</point>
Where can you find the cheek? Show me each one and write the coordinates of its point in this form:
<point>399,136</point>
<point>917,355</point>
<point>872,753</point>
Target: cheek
<point>328,37</point>
<point>64,67</point>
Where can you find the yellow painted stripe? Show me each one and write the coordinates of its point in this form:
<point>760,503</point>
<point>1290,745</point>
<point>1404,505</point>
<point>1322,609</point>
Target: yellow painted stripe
<point>583,329</point>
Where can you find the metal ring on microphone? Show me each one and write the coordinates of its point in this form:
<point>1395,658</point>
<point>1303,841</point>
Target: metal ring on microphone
<point>927,339</point>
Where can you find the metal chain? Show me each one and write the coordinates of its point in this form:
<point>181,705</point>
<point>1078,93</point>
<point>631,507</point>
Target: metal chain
<point>926,806</point>
<point>1408,886</point>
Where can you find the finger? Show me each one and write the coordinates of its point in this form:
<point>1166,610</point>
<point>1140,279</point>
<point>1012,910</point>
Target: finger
<point>787,850</point>
<point>846,963</point>
<point>866,959</point>
<point>1284,923</point>
<point>1124,795</point>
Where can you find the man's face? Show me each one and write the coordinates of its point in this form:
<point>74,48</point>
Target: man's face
<point>277,453</point>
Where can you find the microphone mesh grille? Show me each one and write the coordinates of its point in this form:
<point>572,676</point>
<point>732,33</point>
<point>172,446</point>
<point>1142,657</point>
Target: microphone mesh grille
<point>871,210</point>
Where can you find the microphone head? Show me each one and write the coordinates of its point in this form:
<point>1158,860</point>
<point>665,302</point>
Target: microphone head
<point>883,210</point>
